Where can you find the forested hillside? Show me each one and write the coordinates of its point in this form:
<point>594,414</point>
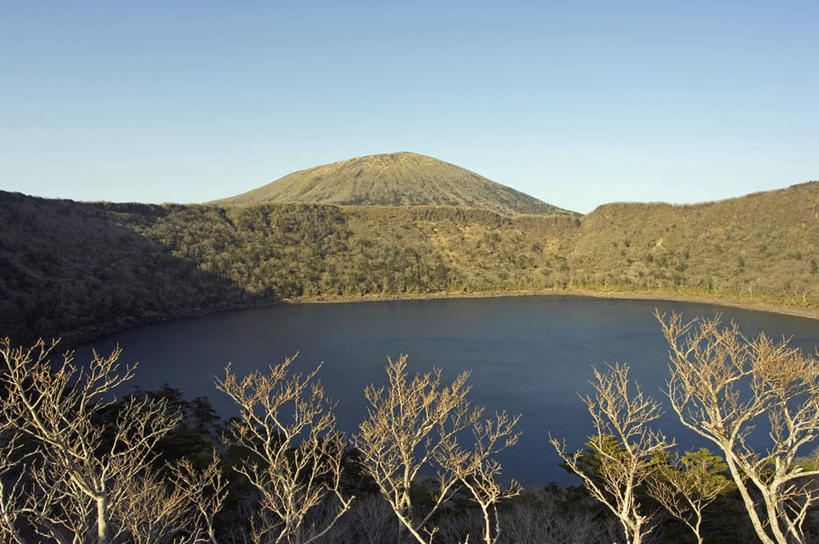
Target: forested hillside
<point>761,246</point>
<point>79,269</point>
<point>68,267</point>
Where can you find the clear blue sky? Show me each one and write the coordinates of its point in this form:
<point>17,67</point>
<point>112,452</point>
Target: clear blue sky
<point>576,103</point>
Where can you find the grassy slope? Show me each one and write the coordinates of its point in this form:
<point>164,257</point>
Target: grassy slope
<point>87,268</point>
<point>395,179</point>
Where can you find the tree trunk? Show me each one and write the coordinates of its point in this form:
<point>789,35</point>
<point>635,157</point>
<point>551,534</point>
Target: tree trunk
<point>487,527</point>
<point>697,529</point>
<point>102,519</point>
<point>637,533</point>
<point>400,539</point>
<point>746,496</point>
<point>773,520</point>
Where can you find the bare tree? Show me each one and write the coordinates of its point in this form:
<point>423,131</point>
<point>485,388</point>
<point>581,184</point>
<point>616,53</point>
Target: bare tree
<point>410,425</point>
<point>686,486</point>
<point>84,471</point>
<point>623,451</point>
<point>158,509</point>
<point>288,426</point>
<point>206,490</point>
<point>478,471</point>
<point>721,385</point>
<point>12,501</point>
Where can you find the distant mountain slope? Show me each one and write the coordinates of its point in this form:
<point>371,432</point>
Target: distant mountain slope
<point>394,179</point>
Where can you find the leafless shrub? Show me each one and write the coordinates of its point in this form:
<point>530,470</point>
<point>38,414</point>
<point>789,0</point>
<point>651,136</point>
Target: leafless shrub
<point>478,471</point>
<point>686,486</point>
<point>154,510</point>
<point>288,426</point>
<point>12,493</point>
<point>368,521</point>
<point>537,520</point>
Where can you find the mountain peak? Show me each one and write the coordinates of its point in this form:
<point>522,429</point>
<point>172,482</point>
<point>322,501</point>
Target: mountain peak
<point>394,179</point>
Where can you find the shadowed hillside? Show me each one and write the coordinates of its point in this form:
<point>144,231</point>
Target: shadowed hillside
<point>84,269</point>
<point>394,179</point>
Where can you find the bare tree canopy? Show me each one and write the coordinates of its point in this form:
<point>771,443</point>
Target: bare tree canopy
<point>89,479</point>
<point>622,452</point>
<point>722,386</point>
<point>287,425</point>
<point>80,466</point>
<point>412,425</point>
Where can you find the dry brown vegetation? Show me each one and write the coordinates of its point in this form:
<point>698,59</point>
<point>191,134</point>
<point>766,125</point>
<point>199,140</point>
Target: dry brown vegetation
<point>763,246</point>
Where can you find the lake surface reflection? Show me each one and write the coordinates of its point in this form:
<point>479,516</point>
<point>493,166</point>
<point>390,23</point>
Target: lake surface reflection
<point>528,355</point>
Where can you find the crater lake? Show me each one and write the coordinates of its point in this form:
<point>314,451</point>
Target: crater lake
<point>531,355</point>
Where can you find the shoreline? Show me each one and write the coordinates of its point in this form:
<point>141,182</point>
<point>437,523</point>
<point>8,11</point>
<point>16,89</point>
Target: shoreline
<point>73,338</point>
<point>743,304</point>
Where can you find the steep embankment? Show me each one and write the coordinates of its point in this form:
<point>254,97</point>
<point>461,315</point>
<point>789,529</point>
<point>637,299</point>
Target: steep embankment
<point>394,179</point>
<point>68,267</point>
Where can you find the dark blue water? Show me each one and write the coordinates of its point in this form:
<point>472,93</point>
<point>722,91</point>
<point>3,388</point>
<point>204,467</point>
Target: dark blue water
<point>528,355</point>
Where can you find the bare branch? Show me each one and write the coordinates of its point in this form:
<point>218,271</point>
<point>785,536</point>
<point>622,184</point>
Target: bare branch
<point>687,485</point>
<point>721,384</point>
<point>623,452</point>
<point>90,477</point>
<point>288,426</point>
<point>413,425</point>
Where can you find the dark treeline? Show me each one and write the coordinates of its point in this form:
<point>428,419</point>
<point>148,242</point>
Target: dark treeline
<point>80,269</point>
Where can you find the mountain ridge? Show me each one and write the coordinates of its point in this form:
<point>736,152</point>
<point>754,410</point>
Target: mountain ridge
<point>748,196</point>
